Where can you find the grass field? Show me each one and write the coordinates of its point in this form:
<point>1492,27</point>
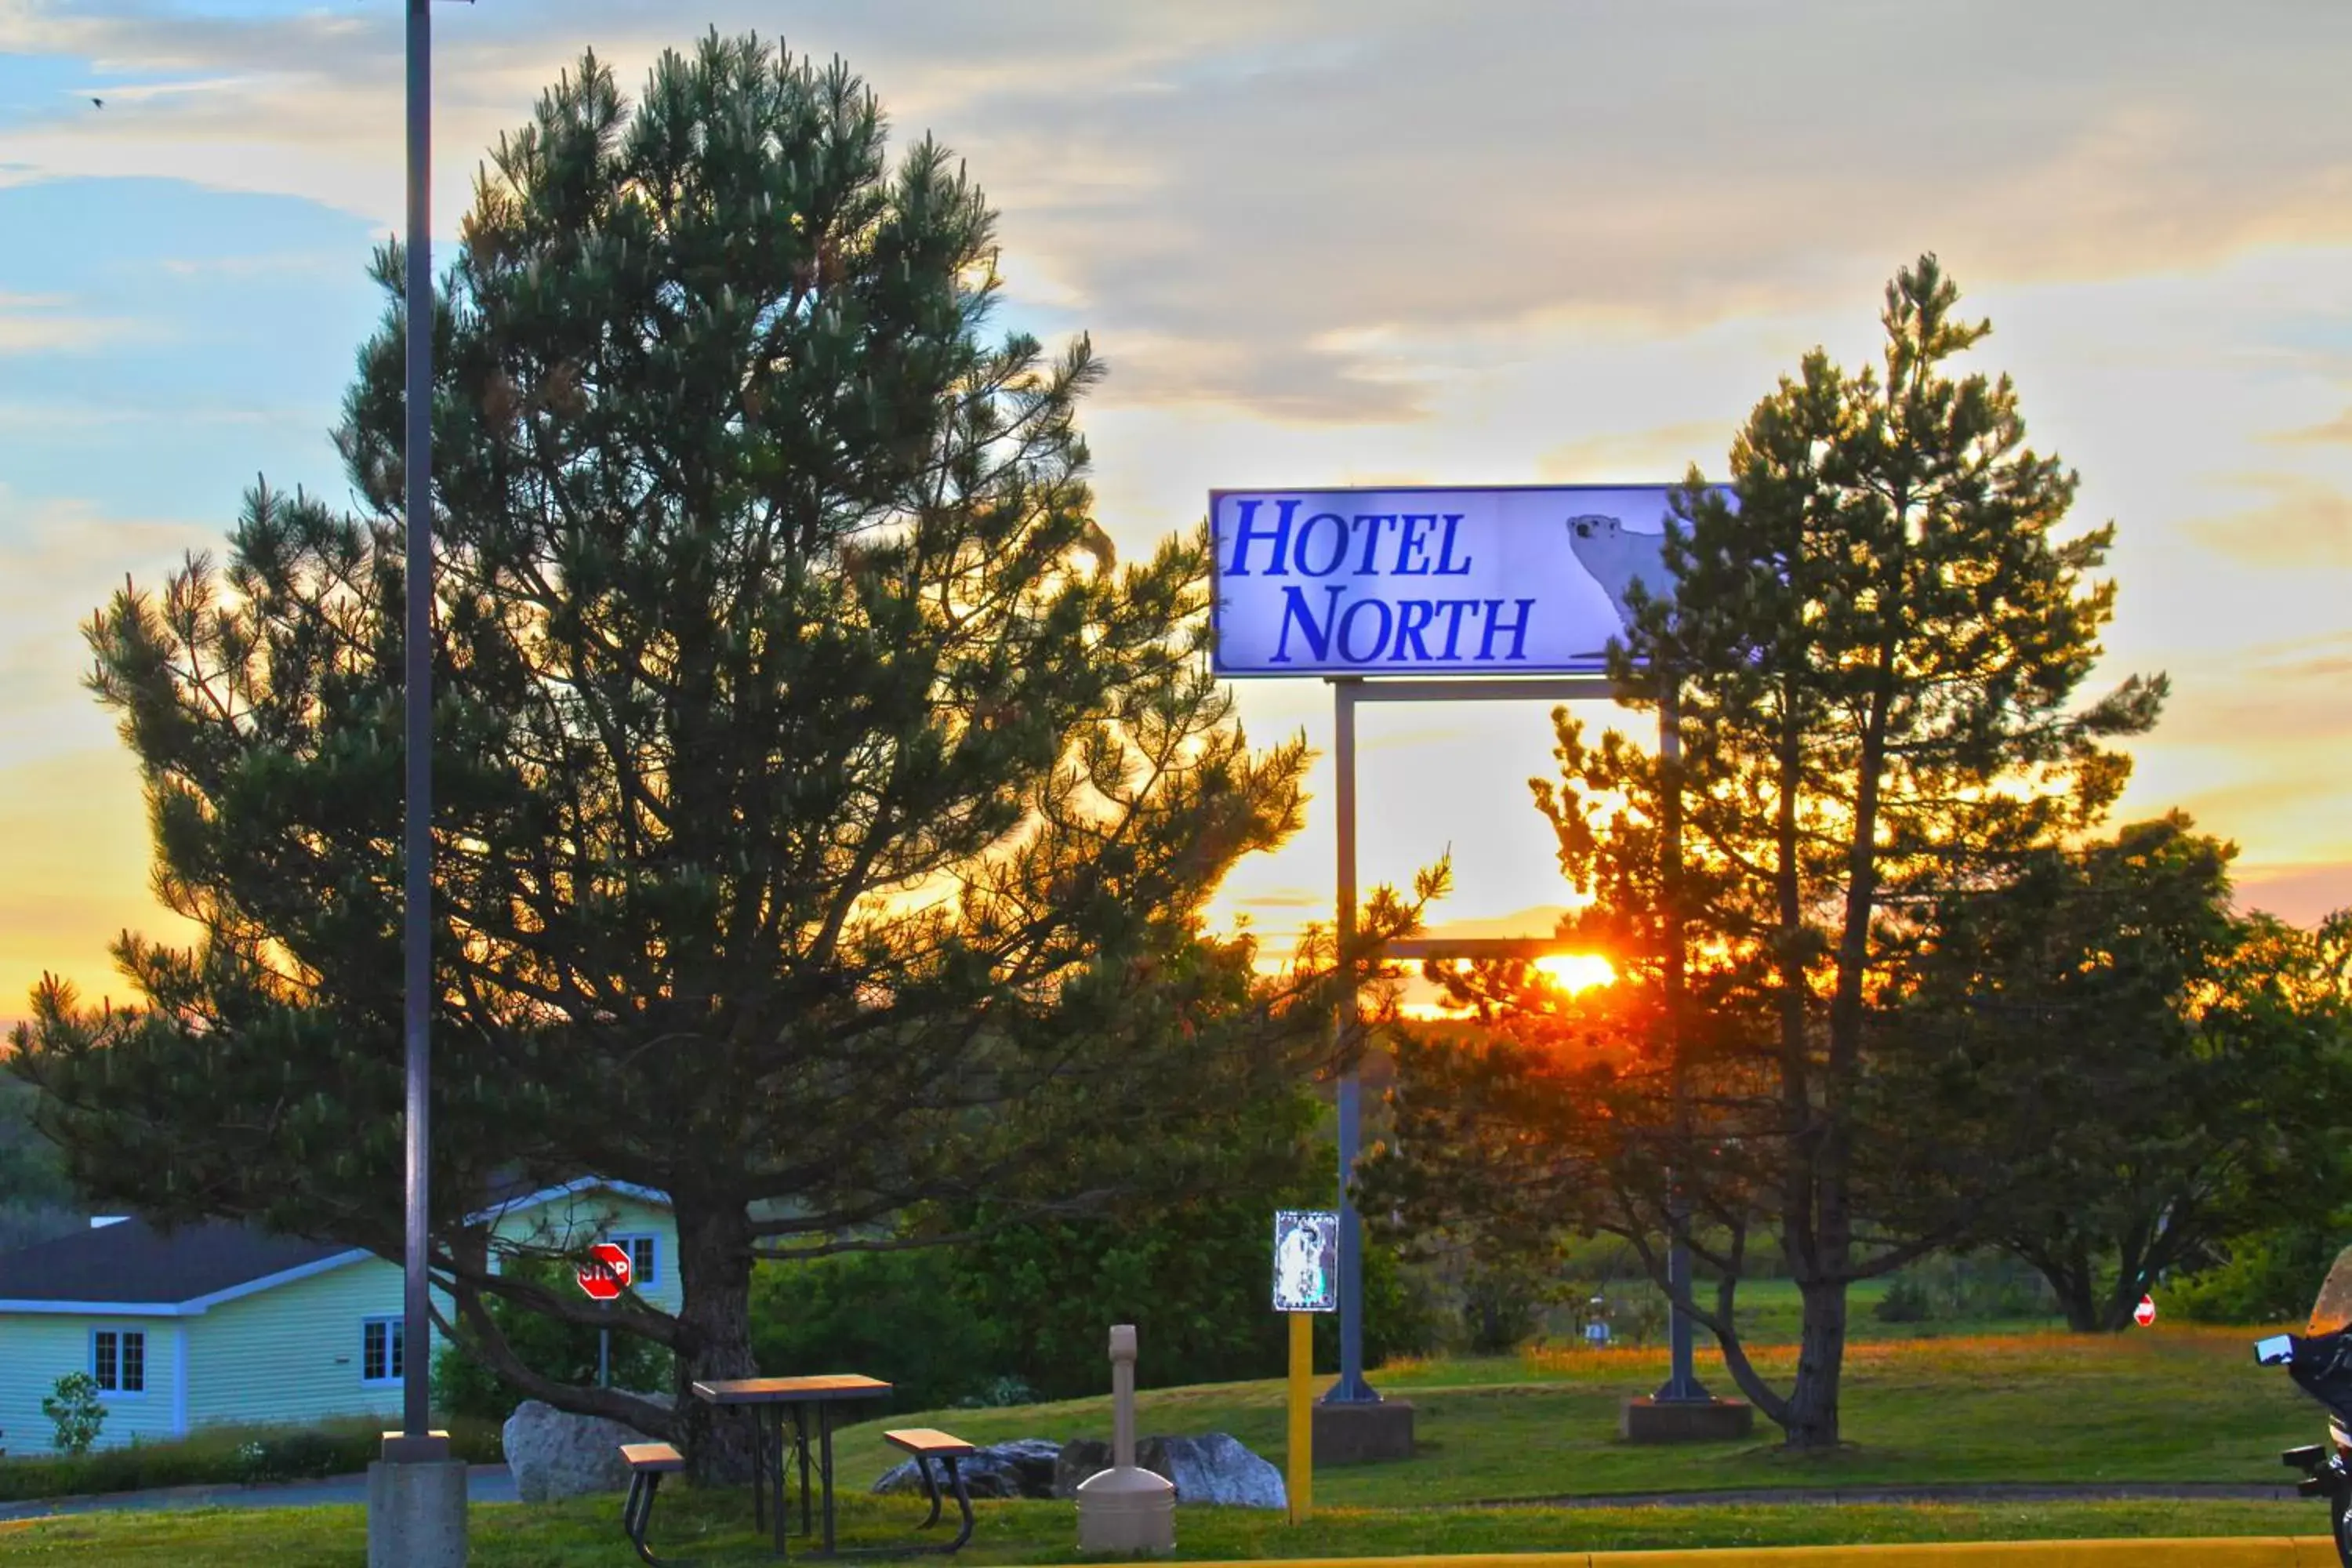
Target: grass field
<point>2169,1404</point>
<point>714,1527</point>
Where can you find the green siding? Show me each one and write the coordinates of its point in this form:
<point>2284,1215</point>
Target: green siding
<point>292,1353</point>
<point>38,1348</point>
<point>578,1217</point>
<point>289,1353</point>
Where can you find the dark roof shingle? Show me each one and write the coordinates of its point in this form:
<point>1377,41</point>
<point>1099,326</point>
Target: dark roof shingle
<point>133,1262</point>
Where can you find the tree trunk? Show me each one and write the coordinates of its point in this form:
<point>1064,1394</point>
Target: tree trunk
<point>1813,1420</point>
<point>714,1274</point>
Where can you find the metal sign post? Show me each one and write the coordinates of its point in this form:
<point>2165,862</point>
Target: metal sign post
<point>1305,1248</point>
<point>1351,1388</point>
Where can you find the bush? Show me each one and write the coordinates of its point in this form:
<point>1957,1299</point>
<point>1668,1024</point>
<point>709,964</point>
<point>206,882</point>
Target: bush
<point>2270,1277</point>
<point>214,1455</point>
<point>302,1456</point>
<point>891,1315</point>
<point>1906,1301</point>
<point>1503,1305</point>
<point>73,1408</point>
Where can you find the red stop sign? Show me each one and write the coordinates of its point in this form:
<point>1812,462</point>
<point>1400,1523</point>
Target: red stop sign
<point>2145,1314</point>
<point>606,1273</point>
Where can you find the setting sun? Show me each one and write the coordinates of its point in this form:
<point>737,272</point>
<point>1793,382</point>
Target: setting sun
<point>1574,972</point>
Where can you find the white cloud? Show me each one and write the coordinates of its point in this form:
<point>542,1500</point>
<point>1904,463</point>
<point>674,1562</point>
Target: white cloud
<point>1250,201</point>
<point>46,323</point>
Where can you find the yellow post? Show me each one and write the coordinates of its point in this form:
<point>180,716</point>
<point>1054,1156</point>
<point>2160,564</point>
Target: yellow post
<point>1300,1482</point>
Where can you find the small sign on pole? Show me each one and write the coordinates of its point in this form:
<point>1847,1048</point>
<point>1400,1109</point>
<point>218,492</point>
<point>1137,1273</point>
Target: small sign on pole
<point>1305,1260</point>
<point>2145,1314</point>
<point>1306,1281</point>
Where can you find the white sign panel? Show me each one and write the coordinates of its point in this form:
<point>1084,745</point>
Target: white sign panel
<point>1506,581</point>
<point>1305,1260</point>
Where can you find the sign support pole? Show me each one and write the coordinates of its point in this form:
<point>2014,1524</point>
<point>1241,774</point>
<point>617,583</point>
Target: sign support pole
<point>1346,693</point>
<point>1351,1388</point>
<point>1682,1386</point>
<point>1299,1455</point>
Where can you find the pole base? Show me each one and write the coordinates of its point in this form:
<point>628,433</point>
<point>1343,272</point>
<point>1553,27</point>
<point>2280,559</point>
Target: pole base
<point>1127,1510</point>
<point>1353,1434</point>
<point>1647,1420</point>
<point>416,1514</point>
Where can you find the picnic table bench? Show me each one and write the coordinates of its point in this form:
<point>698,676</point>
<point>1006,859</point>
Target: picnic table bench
<point>649,1462</point>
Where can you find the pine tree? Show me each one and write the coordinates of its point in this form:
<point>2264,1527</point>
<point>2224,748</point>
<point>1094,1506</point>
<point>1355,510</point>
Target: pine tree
<point>1874,653</point>
<point>824,818</point>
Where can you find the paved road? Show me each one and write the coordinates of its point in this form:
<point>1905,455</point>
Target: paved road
<point>484,1483</point>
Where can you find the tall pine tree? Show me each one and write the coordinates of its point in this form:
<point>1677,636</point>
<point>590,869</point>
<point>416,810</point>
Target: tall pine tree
<point>824,820</point>
<point>1875,653</point>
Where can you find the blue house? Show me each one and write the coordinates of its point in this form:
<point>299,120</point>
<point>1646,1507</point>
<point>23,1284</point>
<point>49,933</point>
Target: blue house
<point>221,1322</point>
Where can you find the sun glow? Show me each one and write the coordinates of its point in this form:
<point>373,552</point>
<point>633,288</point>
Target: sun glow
<point>1574,972</point>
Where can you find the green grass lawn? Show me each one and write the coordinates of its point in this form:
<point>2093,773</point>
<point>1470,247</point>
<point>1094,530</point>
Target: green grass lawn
<point>713,1526</point>
<point>2166,1404</point>
<point>2169,1405</point>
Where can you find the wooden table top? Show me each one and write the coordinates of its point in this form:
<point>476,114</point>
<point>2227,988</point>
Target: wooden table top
<point>788,1390</point>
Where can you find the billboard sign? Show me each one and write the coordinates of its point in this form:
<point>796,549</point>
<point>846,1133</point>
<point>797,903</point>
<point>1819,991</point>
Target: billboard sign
<point>1507,580</point>
<point>1305,1260</point>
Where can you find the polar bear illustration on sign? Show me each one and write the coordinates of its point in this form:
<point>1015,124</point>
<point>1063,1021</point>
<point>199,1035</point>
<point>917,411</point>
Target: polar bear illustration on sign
<point>1299,1265</point>
<point>1618,558</point>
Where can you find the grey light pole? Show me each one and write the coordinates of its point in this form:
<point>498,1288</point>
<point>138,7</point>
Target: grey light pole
<point>1682,1386</point>
<point>416,1491</point>
<point>416,1319</point>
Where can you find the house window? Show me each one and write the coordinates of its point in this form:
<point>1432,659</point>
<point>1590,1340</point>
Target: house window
<point>118,1360</point>
<point>644,1259</point>
<point>381,1349</point>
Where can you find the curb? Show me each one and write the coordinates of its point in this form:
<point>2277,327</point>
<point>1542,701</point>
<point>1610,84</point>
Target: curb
<point>2191,1551</point>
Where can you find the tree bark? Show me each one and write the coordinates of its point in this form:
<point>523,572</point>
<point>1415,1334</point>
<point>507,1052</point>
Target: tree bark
<point>1812,1422</point>
<point>714,1258</point>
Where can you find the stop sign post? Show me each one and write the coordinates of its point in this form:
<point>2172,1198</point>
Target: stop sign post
<point>2145,1314</point>
<point>604,1276</point>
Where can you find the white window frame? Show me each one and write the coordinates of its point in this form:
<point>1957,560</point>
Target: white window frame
<point>395,1350</point>
<point>639,1279</point>
<point>122,1337</point>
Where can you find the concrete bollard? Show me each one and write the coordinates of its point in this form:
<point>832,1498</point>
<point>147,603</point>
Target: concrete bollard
<point>417,1513</point>
<point>1124,1508</point>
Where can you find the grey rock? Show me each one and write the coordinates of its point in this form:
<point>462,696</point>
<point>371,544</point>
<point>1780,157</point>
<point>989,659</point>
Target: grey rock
<point>1215,1469</point>
<point>1079,1457</point>
<point>1022,1468</point>
<point>554,1454</point>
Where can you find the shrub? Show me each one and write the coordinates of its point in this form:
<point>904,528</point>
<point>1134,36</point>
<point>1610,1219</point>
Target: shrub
<point>891,1315</point>
<point>2270,1277</point>
<point>1906,1301</point>
<point>75,1408</point>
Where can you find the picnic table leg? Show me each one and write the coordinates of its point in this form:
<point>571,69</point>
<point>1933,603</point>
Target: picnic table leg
<point>784,1458</point>
<point>824,1465</point>
<point>800,1430</point>
<point>759,1468</point>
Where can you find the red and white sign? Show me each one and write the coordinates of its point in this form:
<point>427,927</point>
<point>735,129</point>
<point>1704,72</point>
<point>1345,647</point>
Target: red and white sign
<point>606,1273</point>
<point>2145,1314</point>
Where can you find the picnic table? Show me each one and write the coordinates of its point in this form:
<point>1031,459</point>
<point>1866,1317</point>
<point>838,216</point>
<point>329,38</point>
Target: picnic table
<point>810,1401</point>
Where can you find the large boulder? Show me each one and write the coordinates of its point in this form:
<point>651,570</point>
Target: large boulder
<point>555,1455</point>
<point>1022,1468</point>
<point>1215,1468</point>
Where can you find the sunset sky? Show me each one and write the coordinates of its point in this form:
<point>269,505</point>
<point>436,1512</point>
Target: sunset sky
<point>1318,245</point>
